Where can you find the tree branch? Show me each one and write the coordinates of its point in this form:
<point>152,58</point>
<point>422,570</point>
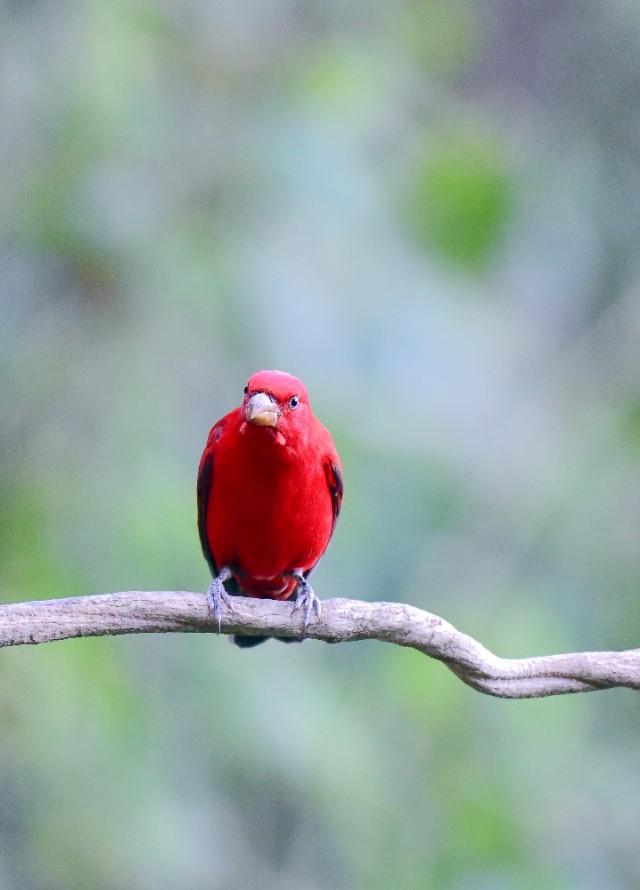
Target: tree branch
<point>342,620</point>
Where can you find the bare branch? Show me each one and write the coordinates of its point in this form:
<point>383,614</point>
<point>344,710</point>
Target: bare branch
<point>342,620</point>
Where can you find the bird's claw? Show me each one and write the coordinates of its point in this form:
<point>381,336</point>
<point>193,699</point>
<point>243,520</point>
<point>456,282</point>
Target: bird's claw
<point>216,595</point>
<point>306,600</point>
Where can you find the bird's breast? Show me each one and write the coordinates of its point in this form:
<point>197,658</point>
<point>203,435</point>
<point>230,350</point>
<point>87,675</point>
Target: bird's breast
<point>270,513</point>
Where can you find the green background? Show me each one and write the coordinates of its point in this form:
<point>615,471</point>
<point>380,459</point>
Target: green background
<point>429,212</point>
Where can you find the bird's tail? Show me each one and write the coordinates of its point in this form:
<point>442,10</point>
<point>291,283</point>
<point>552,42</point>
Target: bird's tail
<point>248,641</point>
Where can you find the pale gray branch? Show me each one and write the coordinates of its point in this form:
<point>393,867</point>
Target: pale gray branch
<point>170,611</point>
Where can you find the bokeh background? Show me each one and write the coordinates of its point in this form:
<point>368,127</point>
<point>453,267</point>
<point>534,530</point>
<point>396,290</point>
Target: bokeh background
<point>430,212</point>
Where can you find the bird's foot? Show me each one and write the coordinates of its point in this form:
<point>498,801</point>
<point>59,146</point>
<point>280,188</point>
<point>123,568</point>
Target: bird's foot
<point>216,595</point>
<point>306,599</point>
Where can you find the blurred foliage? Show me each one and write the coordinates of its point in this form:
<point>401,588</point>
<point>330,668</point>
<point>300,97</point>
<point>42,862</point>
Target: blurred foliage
<point>428,212</point>
<point>460,200</point>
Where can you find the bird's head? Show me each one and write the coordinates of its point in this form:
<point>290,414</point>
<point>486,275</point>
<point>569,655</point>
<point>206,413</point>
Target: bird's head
<point>278,402</point>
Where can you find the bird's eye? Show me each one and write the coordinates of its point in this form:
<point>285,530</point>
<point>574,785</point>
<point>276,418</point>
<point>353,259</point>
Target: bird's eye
<point>246,389</point>
<point>293,401</point>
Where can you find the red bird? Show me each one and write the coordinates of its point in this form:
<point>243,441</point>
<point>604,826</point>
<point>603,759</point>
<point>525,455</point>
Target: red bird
<point>269,495</point>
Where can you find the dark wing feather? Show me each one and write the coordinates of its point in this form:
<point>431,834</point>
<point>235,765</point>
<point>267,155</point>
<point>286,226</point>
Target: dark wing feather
<point>205,478</point>
<point>205,481</point>
<point>334,482</point>
<point>336,488</point>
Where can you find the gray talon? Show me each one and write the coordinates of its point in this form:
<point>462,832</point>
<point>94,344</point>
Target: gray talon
<point>306,599</point>
<point>216,595</point>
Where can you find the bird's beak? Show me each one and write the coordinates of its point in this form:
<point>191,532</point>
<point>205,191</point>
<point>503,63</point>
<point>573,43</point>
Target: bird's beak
<point>262,410</point>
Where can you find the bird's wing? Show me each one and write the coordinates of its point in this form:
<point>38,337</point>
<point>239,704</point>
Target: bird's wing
<point>205,481</point>
<point>333,473</point>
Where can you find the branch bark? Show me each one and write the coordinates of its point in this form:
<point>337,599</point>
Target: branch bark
<point>342,620</point>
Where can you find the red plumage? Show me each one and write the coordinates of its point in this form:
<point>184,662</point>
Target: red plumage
<point>269,492</point>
